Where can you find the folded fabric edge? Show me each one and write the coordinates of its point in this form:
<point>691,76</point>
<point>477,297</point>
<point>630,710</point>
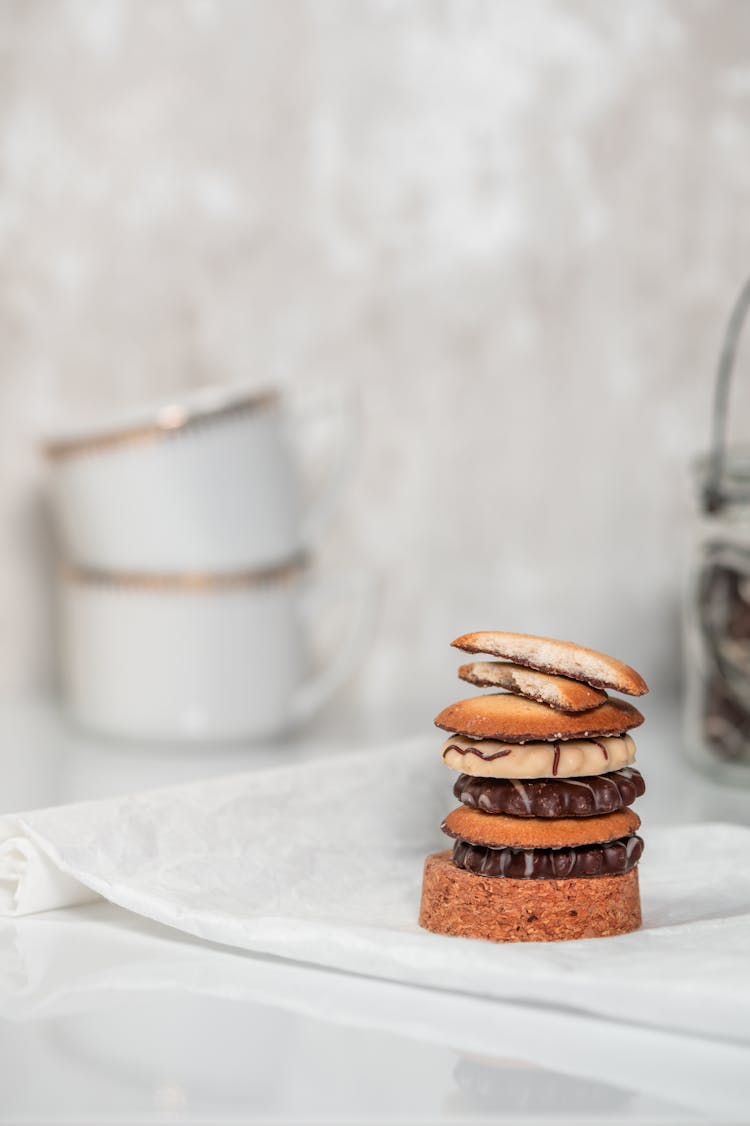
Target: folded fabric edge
<point>33,878</point>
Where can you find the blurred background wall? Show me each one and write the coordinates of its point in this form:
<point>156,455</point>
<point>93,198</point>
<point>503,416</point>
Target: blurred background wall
<point>517,226</point>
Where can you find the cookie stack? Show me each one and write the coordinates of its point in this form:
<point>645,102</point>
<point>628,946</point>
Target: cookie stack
<point>545,845</point>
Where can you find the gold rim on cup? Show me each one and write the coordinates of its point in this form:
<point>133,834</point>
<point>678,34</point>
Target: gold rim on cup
<point>189,582</point>
<point>172,419</point>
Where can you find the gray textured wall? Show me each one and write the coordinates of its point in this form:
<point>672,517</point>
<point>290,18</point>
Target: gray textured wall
<point>518,226</point>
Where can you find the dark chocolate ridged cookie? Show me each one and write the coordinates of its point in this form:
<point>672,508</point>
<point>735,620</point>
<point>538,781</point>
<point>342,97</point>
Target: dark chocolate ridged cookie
<point>611,859</point>
<point>554,797</point>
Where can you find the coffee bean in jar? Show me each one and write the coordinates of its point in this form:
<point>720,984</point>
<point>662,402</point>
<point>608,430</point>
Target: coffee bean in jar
<point>717,636</point>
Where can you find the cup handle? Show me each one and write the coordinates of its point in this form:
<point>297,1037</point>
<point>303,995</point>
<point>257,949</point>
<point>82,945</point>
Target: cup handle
<point>342,403</point>
<point>360,590</point>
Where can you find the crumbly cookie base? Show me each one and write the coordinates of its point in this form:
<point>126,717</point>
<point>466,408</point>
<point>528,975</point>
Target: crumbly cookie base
<point>458,902</point>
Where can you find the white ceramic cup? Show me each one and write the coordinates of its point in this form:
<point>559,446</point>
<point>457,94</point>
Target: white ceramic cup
<point>207,483</point>
<point>205,658</point>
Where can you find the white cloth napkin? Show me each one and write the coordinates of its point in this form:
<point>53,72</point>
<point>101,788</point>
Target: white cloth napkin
<point>322,863</point>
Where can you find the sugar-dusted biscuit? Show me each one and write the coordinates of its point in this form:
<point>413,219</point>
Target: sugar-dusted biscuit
<point>551,797</point>
<point>573,758</point>
<point>557,691</point>
<point>561,658</point>
<point>610,858</point>
<point>497,830</point>
<point>458,902</point>
<point>515,719</point>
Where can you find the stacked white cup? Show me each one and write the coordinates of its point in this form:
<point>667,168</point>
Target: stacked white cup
<point>188,602</point>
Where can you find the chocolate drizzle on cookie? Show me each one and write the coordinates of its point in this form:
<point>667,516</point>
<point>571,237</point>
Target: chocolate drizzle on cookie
<point>475,751</point>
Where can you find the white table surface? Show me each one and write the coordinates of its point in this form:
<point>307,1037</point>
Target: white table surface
<point>105,1017</point>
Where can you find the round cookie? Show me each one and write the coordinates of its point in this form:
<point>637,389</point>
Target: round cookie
<point>457,902</point>
<point>574,758</point>
<point>518,720</point>
<point>561,658</point>
<point>496,830</point>
<point>612,858</point>
<point>555,797</point>
<point>558,692</point>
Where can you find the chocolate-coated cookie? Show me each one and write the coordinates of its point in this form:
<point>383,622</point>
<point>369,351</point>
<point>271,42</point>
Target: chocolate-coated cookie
<point>554,797</point>
<point>611,859</point>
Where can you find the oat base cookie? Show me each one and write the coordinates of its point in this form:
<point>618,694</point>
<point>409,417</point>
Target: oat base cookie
<point>457,902</point>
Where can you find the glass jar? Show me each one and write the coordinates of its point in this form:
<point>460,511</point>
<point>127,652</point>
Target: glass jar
<point>717,650</point>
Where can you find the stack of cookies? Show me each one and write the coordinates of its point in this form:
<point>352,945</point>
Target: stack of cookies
<point>545,845</point>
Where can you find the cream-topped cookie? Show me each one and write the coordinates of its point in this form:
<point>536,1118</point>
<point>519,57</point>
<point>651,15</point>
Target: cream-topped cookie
<point>573,758</point>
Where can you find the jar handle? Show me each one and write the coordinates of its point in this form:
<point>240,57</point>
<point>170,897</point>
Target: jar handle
<point>712,494</point>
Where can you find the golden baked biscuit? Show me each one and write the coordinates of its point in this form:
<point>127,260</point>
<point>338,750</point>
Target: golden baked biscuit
<point>498,830</point>
<point>518,720</point>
